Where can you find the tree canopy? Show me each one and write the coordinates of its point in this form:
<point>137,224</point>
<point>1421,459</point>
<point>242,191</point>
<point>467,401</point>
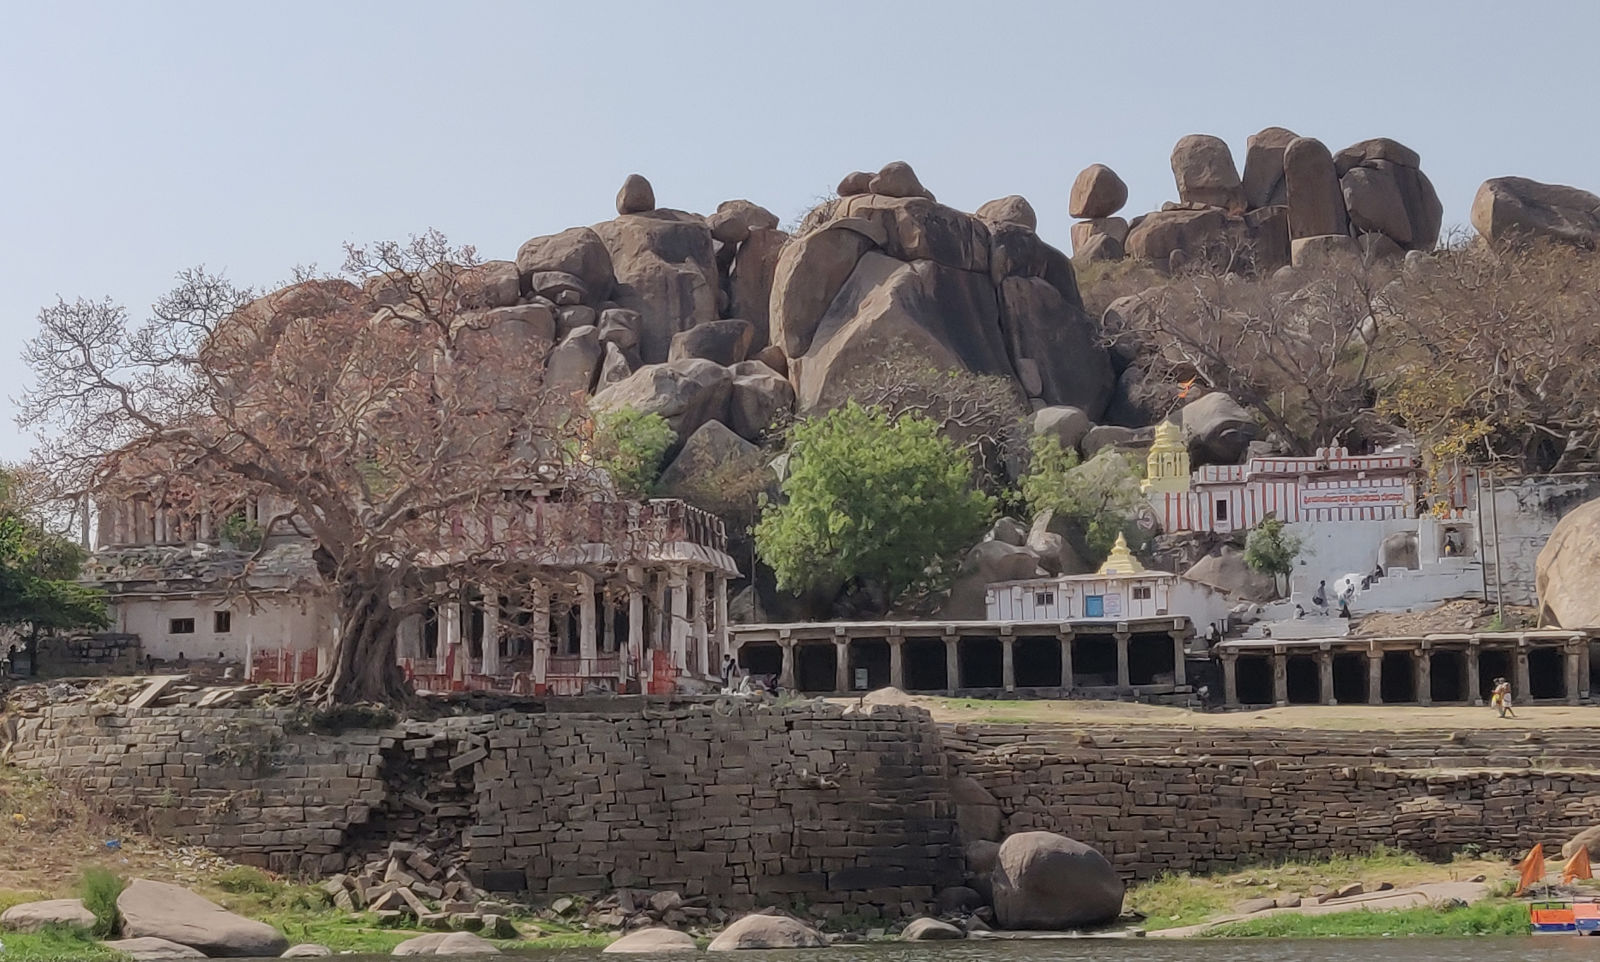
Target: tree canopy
<point>1100,497</point>
<point>1271,550</point>
<point>38,590</point>
<point>871,497</point>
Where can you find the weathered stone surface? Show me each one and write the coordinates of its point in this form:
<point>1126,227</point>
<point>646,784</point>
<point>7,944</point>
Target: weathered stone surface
<point>958,900</point>
<point>1098,192</point>
<point>930,930</point>
<point>1252,906</point>
<point>652,941</point>
<point>1218,429</point>
<point>1198,233</point>
<point>1263,179</point>
<point>33,916</point>
<point>735,219</point>
<point>986,563</point>
<point>1051,539</point>
<point>1066,423</point>
<point>767,932</point>
<point>620,326</point>
<point>569,319</point>
<point>162,911</point>
<point>981,857</point>
<point>759,396</point>
<point>578,251</point>
<point>490,284</point>
<point>1101,248</point>
<point>614,367</point>
<point>1322,250</point>
<point>558,287</point>
<point>666,270</point>
<point>1567,573</point>
<point>1399,550</point>
<point>919,228</point>
<point>1423,208</point>
<point>687,393</point>
<point>711,446</point>
<point>808,276</point>
<point>152,949</point>
<point>772,356</point>
<point>1047,881</point>
<point>1012,209</point>
<point>1226,571</point>
<point>636,196</point>
<point>447,943</point>
<point>855,182</point>
<point>1204,169</point>
<point>1588,839</point>
<point>1039,324</point>
<point>977,812</point>
<point>897,179</point>
<point>1103,436</point>
<point>1267,230</point>
<point>725,341</point>
<point>1378,148</point>
<point>750,280</point>
<point>532,326</point>
<point>1083,230</point>
<point>306,950</point>
<point>1011,531</point>
<point>573,364</point>
<point>1508,208</point>
<point>1316,201</point>
<point>1374,203</point>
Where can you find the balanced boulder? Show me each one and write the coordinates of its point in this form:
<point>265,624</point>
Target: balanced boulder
<point>578,252</point>
<point>767,932</point>
<point>897,179</point>
<point>1097,192</point>
<point>735,219</point>
<point>162,911</point>
<point>1263,167</point>
<point>1047,881</point>
<point>1218,429</point>
<point>1204,169</point>
<point>1013,209</point>
<point>1311,186</point>
<point>666,270</point>
<point>636,196</point>
<point>1508,208</point>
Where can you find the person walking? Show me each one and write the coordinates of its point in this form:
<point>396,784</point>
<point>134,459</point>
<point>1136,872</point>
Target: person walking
<point>1319,599</point>
<point>1500,698</point>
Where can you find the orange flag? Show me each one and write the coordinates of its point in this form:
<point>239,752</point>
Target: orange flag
<point>1577,866</point>
<point>1531,869</point>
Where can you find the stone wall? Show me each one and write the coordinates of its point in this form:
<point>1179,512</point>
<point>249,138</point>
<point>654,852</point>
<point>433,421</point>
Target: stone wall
<point>746,804</point>
<point>106,653</point>
<point>1157,800</point>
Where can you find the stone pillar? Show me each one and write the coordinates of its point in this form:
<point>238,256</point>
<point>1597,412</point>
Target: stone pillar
<point>719,598</point>
<point>1374,677</point>
<point>1583,669</point>
<point>1122,638</point>
<point>678,587</point>
<point>952,662</point>
<point>1524,685</point>
<point>1008,664</point>
<point>635,653</point>
<point>1280,679</point>
<point>608,623</point>
<point>1325,677</point>
<point>587,640</point>
<point>1180,671</point>
<point>449,635</point>
<point>841,664</point>
<point>491,631</point>
<point>1473,680</point>
<point>1067,680</point>
<point>539,606</point>
<point>1230,681</point>
<point>786,674</point>
<point>1572,672</point>
<point>408,637</point>
<point>897,663</point>
<point>701,634</point>
<point>1424,676</point>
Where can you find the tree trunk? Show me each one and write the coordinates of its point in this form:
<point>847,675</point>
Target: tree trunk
<point>363,667</point>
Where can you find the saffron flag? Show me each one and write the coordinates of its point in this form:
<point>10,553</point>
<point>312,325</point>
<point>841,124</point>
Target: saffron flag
<point>1577,866</point>
<point>1186,385</point>
<point>1531,869</point>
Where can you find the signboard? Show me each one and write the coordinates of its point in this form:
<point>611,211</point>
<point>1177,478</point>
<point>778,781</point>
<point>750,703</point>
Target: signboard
<point>861,679</point>
<point>1357,496</point>
<point>1114,606</point>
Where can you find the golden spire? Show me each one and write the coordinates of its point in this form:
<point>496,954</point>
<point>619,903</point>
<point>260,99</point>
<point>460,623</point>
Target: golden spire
<point>1166,467</point>
<point>1121,560</point>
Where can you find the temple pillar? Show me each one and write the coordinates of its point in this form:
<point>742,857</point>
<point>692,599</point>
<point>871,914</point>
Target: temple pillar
<point>587,639</point>
<point>841,665</point>
<point>719,607</point>
<point>449,635</point>
<point>1583,669</point>
<point>897,663</point>
<point>1325,677</point>
<point>1474,682</point>
<point>1280,679</point>
<point>786,674</point>
<point>408,637</point>
<point>1122,638</point>
<point>1008,664</point>
<point>1067,681</point>
<point>1180,671</point>
<point>952,662</point>
<point>678,588</point>
<point>608,623</point>
<point>1524,686</point>
<point>701,634</point>
<point>491,631</point>
<point>1572,673</point>
<point>1230,681</point>
<point>635,652</point>
<point>1423,673</point>
<point>1374,677</point>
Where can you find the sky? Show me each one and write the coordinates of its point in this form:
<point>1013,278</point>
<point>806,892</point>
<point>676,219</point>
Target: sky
<point>144,138</point>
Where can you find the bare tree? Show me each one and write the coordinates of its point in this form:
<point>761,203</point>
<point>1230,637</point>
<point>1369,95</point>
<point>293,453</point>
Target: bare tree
<point>390,416</point>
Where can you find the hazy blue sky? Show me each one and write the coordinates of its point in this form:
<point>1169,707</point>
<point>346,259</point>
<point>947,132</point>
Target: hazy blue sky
<point>146,137</point>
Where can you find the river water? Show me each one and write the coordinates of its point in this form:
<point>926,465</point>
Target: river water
<point>1499,949</point>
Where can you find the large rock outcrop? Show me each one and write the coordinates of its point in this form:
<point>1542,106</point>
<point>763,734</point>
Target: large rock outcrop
<point>687,392</point>
<point>666,269</point>
<point>1047,881</point>
<point>1513,208</point>
<point>162,911</point>
<point>1567,572</point>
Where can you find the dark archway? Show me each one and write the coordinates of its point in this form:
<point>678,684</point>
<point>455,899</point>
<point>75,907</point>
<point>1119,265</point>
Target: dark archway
<point>926,669</point>
<point>1493,664</point>
<point>1399,678</point>
<point>814,667</point>
<point>761,658</point>
<point>1304,680</point>
<point>1094,661</point>
<point>981,663</point>
<point>1037,662</point>
<point>1350,679</point>
<point>1547,673</point>
<point>1447,676</point>
<point>872,656</point>
<point>1150,659</point>
<point>1253,676</point>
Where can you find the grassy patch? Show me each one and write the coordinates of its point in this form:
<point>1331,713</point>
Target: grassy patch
<point>1490,917</point>
<point>99,889</point>
<point>56,945</point>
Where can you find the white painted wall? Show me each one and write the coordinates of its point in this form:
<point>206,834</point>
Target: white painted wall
<point>1065,599</point>
<point>1526,511</point>
<point>277,621</point>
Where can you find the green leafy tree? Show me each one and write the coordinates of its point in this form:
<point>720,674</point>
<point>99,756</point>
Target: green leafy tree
<point>870,497</point>
<point>38,590</point>
<point>1271,550</point>
<point>629,444</point>
<point>1100,497</point>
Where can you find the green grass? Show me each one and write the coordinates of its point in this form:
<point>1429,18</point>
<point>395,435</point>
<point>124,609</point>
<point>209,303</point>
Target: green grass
<point>55,945</point>
<point>99,889</point>
<point>1490,917</point>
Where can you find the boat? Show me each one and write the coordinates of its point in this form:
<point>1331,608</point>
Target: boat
<point>1565,917</point>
